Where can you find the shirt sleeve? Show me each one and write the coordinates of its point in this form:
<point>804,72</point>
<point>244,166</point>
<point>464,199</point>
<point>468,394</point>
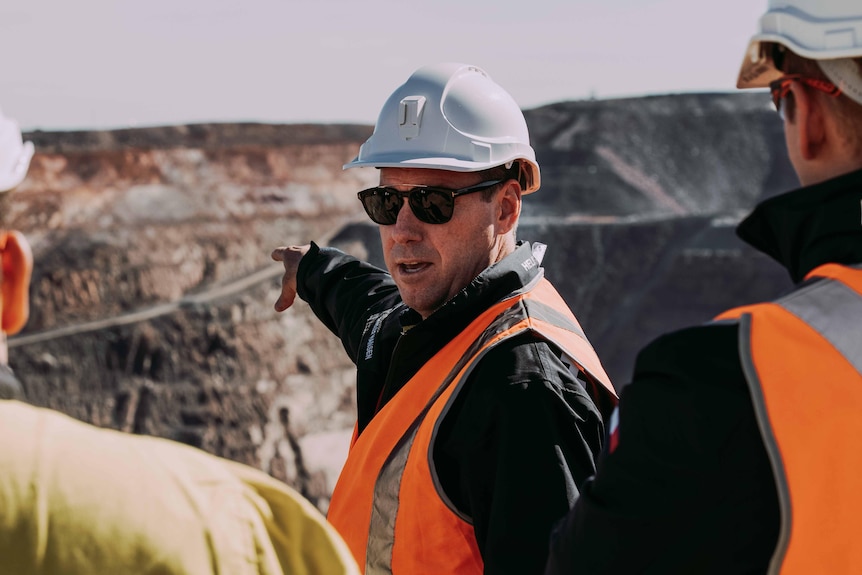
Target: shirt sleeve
<point>685,485</point>
<point>512,449</point>
<point>341,290</point>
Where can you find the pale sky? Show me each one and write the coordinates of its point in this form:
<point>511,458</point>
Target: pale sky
<point>119,63</point>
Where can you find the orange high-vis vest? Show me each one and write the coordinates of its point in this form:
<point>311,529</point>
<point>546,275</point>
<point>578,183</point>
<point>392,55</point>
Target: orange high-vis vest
<point>802,358</point>
<point>388,504</point>
<point>17,267</point>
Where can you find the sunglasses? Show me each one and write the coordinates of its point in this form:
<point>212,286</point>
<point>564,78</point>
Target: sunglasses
<point>430,204</point>
<point>780,87</point>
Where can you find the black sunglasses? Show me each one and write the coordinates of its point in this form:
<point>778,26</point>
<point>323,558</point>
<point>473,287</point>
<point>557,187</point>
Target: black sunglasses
<point>430,204</point>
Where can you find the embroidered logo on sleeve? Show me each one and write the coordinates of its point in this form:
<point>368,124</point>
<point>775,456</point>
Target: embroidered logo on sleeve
<point>372,326</point>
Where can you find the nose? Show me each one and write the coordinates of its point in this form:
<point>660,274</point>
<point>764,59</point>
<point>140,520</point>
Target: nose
<point>407,227</point>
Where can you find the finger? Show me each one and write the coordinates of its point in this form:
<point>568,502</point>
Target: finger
<point>284,301</point>
<point>278,254</point>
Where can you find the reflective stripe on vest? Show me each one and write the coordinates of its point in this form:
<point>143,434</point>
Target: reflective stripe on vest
<point>387,503</point>
<point>802,358</point>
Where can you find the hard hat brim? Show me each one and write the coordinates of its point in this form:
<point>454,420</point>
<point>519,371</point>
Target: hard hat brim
<point>440,163</point>
<point>757,69</point>
<point>451,164</point>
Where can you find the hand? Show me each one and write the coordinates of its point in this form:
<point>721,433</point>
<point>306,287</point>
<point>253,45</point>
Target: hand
<point>290,257</point>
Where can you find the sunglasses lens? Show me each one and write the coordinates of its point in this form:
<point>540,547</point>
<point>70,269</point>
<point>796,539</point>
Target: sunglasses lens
<point>381,205</point>
<point>429,205</point>
<point>432,206</point>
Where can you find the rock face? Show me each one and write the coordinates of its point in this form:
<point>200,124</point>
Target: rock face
<point>153,289</point>
<point>658,156</point>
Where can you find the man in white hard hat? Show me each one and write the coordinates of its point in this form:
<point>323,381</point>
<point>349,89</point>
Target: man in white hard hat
<point>76,499</point>
<point>15,254</point>
<point>737,448</point>
<point>480,401</point>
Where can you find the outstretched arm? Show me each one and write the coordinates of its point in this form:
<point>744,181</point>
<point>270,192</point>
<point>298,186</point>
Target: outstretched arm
<point>339,288</point>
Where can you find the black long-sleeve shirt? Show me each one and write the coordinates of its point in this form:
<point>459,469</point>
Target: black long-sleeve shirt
<point>688,487</point>
<point>522,433</point>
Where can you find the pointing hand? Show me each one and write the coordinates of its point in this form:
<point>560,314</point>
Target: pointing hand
<point>290,257</point>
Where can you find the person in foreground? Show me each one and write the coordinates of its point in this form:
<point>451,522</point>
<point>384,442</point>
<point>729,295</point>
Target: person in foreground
<point>76,499</point>
<point>737,448</point>
<point>480,401</point>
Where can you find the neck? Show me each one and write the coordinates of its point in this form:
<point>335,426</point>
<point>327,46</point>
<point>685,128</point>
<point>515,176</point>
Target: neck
<point>505,245</point>
<point>827,171</point>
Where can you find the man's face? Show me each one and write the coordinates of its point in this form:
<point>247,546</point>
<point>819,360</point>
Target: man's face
<point>430,263</point>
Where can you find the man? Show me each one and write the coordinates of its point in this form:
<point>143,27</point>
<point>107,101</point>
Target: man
<point>480,400</point>
<point>738,447</point>
<point>79,500</point>
<point>15,255</point>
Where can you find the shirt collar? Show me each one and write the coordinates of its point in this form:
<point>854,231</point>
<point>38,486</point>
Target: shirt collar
<point>810,226</point>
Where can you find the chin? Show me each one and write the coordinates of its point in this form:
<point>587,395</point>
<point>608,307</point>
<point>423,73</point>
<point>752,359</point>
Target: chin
<point>421,305</point>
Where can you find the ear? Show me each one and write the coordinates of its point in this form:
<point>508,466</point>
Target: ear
<point>809,120</point>
<point>17,261</point>
<point>509,202</point>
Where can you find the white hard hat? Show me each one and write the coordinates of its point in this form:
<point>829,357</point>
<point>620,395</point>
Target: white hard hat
<point>814,29</point>
<point>450,116</point>
<point>15,154</point>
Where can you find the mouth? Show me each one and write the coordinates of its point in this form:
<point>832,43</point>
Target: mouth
<point>410,268</point>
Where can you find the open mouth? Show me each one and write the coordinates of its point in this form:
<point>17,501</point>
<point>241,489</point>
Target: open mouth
<point>412,267</point>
